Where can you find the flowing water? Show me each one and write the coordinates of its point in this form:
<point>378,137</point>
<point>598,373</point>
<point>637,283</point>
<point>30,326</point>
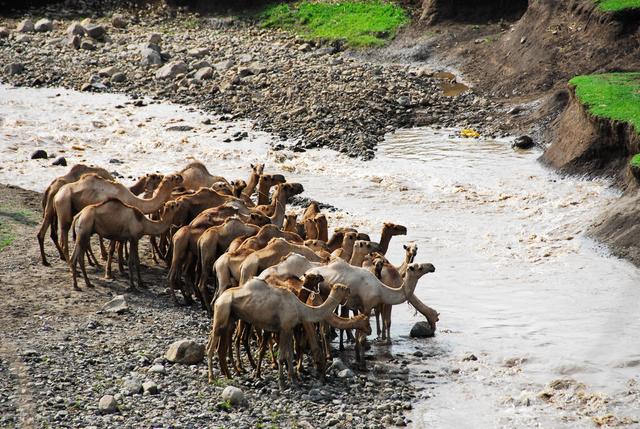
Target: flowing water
<point>517,283</point>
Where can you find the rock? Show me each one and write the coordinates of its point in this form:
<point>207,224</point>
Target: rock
<point>185,351</point>
<point>14,68</point>
<point>150,388</point>
<point>244,58</point>
<point>4,32</point>
<point>74,41</point>
<point>244,72</point>
<point>404,101</point>
<point>233,395</point>
<point>337,366</point>
<point>155,38</point>
<point>107,404</point>
<point>200,65</point>
<point>107,71</point>
<point>95,31</point>
<point>150,57</point>
<point>399,421</point>
<point>418,353</point>
<point>61,161</point>
<point>204,73</point>
<point>198,52</point>
<point>523,142</point>
<point>117,305</point>
<point>39,154</point>
<point>515,110</point>
<point>158,368</point>
<point>422,330</point>
<point>470,357</point>
<point>23,38</point>
<point>346,373</point>
<point>43,25</point>
<point>132,386</point>
<point>118,21</point>
<point>223,65</point>
<point>171,69</point>
<point>25,26</point>
<point>118,77</point>
<point>87,45</point>
<point>75,29</point>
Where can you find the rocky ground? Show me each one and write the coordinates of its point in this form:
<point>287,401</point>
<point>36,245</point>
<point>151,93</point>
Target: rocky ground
<point>61,354</point>
<point>309,92</point>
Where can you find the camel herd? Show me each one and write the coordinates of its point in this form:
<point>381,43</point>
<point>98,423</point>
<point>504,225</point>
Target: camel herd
<point>266,276</point>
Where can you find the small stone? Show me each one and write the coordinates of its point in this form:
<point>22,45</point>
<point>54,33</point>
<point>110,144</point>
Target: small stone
<point>244,72</point>
<point>118,77</point>
<point>346,373</point>
<point>75,29</point>
<point>204,73</point>
<point>4,32</point>
<point>107,71</point>
<point>107,404</point>
<point>233,395</point>
<point>523,142</point>
<point>132,387</point>
<point>198,52</point>
<point>223,65</point>
<point>158,368</point>
<point>74,41</point>
<point>23,38</point>
<point>155,38</point>
<point>200,65</point>
<point>87,45</point>
<point>25,26</point>
<point>404,101</point>
<point>39,154</point>
<point>95,31</point>
<point>186,352</point>
<point>399,421</point>
<point>118,21</point>
<point>470,357</point>
<point>171,69</point>
<point>150,57</point>
<point>337,366</point>
<point>14,68</point>
<point>116,305</point>
<point>421,330</point>
<point>43,25</point>
<point>418,353</point>
<point>150,388</point>
<point>61,161</point>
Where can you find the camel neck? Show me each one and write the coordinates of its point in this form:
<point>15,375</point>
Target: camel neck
<point>251,184</point>
<point>321,312</point>
<point>385,239</point>
<point>393,296</point>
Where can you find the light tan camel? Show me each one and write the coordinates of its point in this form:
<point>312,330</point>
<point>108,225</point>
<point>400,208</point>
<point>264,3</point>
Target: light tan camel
<point>367,291</point>
<point>197,176</point>
<point>281,196</point>
<point>361,249</point>
<point>345,252</point>
<point>310,229</point>
<point>93,189</point>
<point>290,222</point>
<point>49,218</point>
<point>268,308</point>
<point>116,221</point>
<point>214,242</point>
<point>145,184</point>
<point>271,255</point>
<point>256,172</point>
<point>266,182</point>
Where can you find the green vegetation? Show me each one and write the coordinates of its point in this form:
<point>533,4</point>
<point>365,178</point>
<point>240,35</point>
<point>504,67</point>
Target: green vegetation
<point>9,216</point>
<point>617,5</point>
<point>635,161</point>
<point>612,95</point>
<point>359,23</point>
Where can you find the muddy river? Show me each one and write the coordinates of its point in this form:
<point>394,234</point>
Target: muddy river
<point>518,284</point>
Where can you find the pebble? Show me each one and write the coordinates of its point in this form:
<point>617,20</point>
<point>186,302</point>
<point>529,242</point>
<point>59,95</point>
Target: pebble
<point>158,369</point>
<point>118,21</point>
<point>4,32</point>
<point>25,26</point>
<point>107,404</point>
<point>234,395</point>
<point>14,68</point>
<point>94,31</point>
<point>150,388</point>
<point>43,25</point>
<point>75,29</point>
<point>171,70</point>
<point>116,305</point>
<point>61,161</point>
<point>186,352</point>
<point>204,73</point>
<point>132,386</point>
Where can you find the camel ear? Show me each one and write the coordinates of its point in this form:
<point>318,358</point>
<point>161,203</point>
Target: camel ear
<point>412,268</point>
<point>252,166</point>
<point>405,247</point>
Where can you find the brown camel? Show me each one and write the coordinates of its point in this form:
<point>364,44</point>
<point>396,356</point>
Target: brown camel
<point>346,250</point>
<point>322,227</point>
<point>114,220</point>
<point>214,242</point>
<point>361,249</point>
<point>290,222</point>
<point>268,308</point>
<point>266,182</point>
<point>281,196</point>
<point>145,185</point>
<point>48,210</point>
<point>92,189</point>
<point>262,238</point>
<point>197,176</point>
<point>273,253</point>
<point>388,231</point>
<point>256,172</point>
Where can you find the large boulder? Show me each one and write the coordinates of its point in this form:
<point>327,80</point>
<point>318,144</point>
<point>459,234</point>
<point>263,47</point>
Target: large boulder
<point>185,351</point>
<point>422,330</point>
<point>171,70</point>
<point>150,56</point>
<point>95,31</point>
<point>234,395</point>
<point>116,305</point>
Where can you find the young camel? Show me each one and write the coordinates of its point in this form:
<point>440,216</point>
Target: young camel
<point>117,221</point>
<point>271,255</point>
<point>266,182</point>
<point>267,308</point>
<point>256,172</point>
<point>92,189</point>
<point>214,242</point>
<point>49,218</point>
<point>366,291</point>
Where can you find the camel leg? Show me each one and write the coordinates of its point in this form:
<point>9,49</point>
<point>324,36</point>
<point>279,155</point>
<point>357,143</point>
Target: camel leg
<point>316,352</point>
<point>238,339</point>
<point>131,262</point>
<point>84,270</point>
<point>154,249</point>
<point>74,263</point>
<point>103,250</point>
<point>386,323</point>
<point>286,356</point>
<point>119,246</point>
<point>107,271</point>
<point>211,346</point>
<point>377,310</point>
<point>136,260</point>
<point>222,353</point>
<point>247,346</point>
<point>46,222</point>
<point>266,338</point>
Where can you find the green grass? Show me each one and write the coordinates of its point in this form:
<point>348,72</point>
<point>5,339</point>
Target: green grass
<point>612,95</point>
<point>9,216</point>
<point>635,161</point>
<point>359,23</point>
<point>617,5</point>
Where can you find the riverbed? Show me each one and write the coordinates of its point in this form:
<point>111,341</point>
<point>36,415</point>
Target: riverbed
<point>517,283</point>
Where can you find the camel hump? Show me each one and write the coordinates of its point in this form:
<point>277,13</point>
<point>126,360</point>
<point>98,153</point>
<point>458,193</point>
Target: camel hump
<point>196,165</point>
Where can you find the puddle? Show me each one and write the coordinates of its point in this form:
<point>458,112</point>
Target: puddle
<point>449,84</point>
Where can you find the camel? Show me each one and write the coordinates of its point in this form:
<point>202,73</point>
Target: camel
<point>317,246</point>
<point>271,255</point>
<point>262,238</point>
<point>271,309</point>
<point>92,189</point>
<point>411,250</point>
<point>346,250</point>
<point>197,176</point>
<point>145,184</point>
<point>48,210</point>
<point>322,227</point>
<point>237,187</point>
<point>361,249</point>
<point>290,222</point>
<point>281,196</point>
<point>366,291</point>
<point>266,182</point>
<point>293,265</point>
<point>114,220</point>
<point>310,229</point>
<point>311,211</point>
<point>215,241</point>
<point>388,231</point>
<point>256,172</point>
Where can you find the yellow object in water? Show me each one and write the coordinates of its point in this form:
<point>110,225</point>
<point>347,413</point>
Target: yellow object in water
<point>469,133</point>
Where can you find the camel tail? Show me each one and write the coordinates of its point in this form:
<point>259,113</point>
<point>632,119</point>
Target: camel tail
<point>221,315</point>
<point>73,227</point>
<point>45,197</point>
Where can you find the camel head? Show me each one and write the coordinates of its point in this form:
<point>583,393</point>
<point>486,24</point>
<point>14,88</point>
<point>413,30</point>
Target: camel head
<point>316,245</point>
<point>238,186</point>
<point>418,270</point>
<point>291,189</point>
<point>340,292</point>
<point>349,239</point>
<point>362,323</point>
<point>171,209</point>
<point>312,282</point>
<point>272,179</point>
<point>258,219</point>
<point>363,247</point>
<point>222,188</point>
<point>411,251</point>
<point>152,181</point>
<point>171,181</point>
<point>257,169</point>
<point>393,229</point>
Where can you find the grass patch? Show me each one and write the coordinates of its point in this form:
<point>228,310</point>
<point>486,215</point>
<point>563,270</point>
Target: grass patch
<point>10,216</point>
<point>617,5</point>
<point>635,161</point>
<point>359,23</point>
<point>612,95</point>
